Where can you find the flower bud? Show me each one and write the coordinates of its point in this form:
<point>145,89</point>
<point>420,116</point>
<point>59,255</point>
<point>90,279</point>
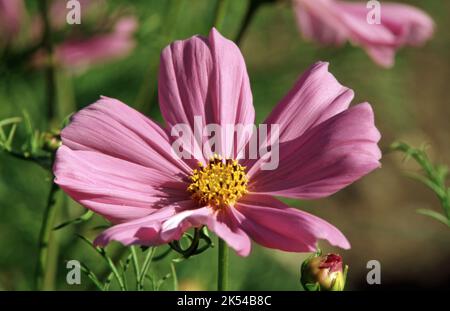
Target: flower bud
<point>323,273</point>
<point>51,141</point>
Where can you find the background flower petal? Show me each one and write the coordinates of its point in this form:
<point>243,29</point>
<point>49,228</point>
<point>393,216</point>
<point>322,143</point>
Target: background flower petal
<point>410,25</point>
<point>76,53</point>
<point>333,22</point>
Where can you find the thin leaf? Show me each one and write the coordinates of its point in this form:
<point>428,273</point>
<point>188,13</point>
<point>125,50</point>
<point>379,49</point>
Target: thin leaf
<point>12,132</point>
<point>13,120</point>
<point>108,280</point>
<point>146,266</point>
<point>86,216</point>
<point>162,255</point>
<point>174,276</point>
<point>433,214</point>
<point>137,269</point>
<point>161,281</point>
<point>108,260</point>
<point>91,275</point>
<point>124,267</point>
<point>2,136</point>
<point>430,184</point>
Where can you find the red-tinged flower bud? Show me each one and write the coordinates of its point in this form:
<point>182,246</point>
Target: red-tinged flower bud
<point>323,273</point>
<point>51,141</point>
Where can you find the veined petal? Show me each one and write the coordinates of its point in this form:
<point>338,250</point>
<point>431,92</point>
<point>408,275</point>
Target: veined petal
<point>114,188</point>
<point>325,159</point>
<point>273,224</point>
<point>220,222</point>
<point>316,97</point>
<point>118,163</point>
<point>110,127</point>
<point>142,231</point>
<point>206,78</point>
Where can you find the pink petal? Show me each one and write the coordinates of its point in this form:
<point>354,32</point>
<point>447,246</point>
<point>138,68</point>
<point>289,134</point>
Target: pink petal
<point>75,53</point>
<point>11,15</point>
<point>332,16</point>
<point>114,188</point>
<point>110,127</point>
<point>273,224</point>
<point>410,25</point>
<point>118,163</point>
<point>207,78</point>
<point>89,10</point>
<point>316,97</point>
<point>222,223</point>
<point>382,55</point>
<point>325,159</point>
<point>333,22</point>
<point>142,231</point>
<point>316,22</point>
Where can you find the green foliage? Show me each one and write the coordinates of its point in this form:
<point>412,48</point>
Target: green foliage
<point>37,146</point>
<point>433,176</point>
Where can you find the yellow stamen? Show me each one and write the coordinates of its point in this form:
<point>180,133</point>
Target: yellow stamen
<point>219,184</point>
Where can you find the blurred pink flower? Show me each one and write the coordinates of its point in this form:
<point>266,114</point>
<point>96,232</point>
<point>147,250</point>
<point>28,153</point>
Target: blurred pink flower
<point>11,14</point>
<point>334,22</point>
<point>89,9</point>
<point>121,165</point>
<point>78,50</point>
<point>99,48</point>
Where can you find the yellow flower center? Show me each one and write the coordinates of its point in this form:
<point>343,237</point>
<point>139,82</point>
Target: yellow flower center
<point>219,184</point>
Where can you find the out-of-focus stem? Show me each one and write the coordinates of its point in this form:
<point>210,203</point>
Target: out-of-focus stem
<point>50,75</point>
<point>431,172</point>
<point>145,267</point>
<point>174,276</point>
<point>219,14</point>
<point>137,269</point>
<point>147,100</point>
<point>249,14</point>
<point>44,237</point>
<point>222,266</point>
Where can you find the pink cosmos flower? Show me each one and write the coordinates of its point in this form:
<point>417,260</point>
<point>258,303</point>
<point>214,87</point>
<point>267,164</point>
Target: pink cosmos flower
<point>79,51</point>
<point>99,48</point>
<point>11,13</point>
<point>121,165</point>
<point>334,22</point>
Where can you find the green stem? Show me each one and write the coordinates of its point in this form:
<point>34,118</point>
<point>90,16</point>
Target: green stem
<point>42,161</point>
<point>435,180</point>
<point>137,269</point>
<point>219,14</point>
<point>147,99</point>
<point>174,276</point>
<point>249,14</point>
<point>50,74</point>
<point>114,270</point>
<point>44,236</point>
<point>222,269</point>
<point>146,266</point>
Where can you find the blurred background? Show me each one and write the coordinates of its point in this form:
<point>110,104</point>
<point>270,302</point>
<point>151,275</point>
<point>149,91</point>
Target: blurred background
<point>377,214</point>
